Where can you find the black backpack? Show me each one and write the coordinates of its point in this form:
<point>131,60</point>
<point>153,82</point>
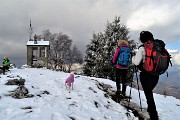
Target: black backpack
<point>157,58</point>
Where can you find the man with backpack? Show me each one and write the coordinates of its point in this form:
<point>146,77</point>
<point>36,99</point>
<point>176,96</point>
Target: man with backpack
<point>152,60</point>
<point>121,60</point>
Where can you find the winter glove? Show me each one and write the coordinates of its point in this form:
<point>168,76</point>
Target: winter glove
<point>133,53</point>
<point>135,68</point>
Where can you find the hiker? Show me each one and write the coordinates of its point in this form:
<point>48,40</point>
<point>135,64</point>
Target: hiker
<point>148,81</point>
<point>5,64</point>
<point>121,69</point>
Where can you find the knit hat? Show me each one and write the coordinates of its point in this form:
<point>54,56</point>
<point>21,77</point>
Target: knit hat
<point>145,36</point>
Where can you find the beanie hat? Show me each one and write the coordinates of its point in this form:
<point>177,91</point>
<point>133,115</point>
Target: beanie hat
<point>145,36</point>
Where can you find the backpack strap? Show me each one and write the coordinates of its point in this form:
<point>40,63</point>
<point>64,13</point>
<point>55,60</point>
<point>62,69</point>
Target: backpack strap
<point>141,46</point>
<point>169,57</point>
<point>170,62</point>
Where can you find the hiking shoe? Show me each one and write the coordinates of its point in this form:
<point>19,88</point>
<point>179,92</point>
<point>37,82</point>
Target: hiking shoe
<point>118,93</point>
<point>124,94</point>
<point>120,96</point>
<point>153,114</point>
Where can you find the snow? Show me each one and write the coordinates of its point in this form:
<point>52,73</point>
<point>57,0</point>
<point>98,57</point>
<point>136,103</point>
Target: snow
<point>38,43</point>
<point>85,102</point>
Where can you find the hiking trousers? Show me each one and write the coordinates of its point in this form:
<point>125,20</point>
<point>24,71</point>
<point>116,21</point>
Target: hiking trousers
<point>121,77</point>
<point>4,68</point>
<point>148,83</point>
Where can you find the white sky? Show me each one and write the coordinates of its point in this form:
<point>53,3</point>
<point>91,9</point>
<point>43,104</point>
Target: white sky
<point>79,103</point>
<point>80,18</point>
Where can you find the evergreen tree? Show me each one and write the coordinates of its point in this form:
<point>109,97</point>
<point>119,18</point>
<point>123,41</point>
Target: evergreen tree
<point>114,32</point>
<point>101,50</point>
<point>99,56</point>
<point>90,58</point>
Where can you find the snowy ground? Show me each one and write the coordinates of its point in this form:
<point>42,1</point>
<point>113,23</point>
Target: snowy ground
<point>85,102</point>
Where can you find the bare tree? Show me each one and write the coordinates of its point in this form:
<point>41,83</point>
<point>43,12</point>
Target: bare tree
<point>77,56</point>
<point>60,53</point>
<point>47,35</point>
<point>74,56</point>
<point>59,49</point>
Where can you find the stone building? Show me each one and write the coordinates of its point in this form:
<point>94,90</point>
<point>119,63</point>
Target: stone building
<point>37,52</point>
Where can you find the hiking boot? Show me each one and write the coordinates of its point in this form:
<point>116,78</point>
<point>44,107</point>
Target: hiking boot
<point>118,93</point>
<point>124,94</point>
<point>153,114</point>
<point>154,117</point>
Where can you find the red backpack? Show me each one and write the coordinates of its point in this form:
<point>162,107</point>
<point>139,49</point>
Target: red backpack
<point>157,58</point>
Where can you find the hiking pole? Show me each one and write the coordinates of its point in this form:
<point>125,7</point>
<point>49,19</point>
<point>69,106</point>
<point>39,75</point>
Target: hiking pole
<point>129,101</point>
<point>130,90</point>
<point>129,96</point>
<point>139,92</point>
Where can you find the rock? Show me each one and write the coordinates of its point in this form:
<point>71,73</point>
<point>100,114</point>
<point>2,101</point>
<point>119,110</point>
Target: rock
<point>15,82</point>
<point>25,108</point>
<point>20,92</point>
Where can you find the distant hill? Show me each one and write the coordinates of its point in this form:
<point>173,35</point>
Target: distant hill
<point>170,84</point>
<point>167,85</point>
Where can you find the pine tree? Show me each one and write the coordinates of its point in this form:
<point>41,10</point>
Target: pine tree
<point>99,58</point>
<point>91,56</point>
<point>114,32</point>
<point>101,50</point>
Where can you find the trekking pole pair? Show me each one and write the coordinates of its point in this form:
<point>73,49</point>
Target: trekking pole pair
<point>129,101</point>
<point>138,88</point>
<point>129,97</point>
<point>135,69</point>
<point>130,90</point>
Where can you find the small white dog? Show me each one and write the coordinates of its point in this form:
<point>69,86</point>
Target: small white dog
<point>70,81</point>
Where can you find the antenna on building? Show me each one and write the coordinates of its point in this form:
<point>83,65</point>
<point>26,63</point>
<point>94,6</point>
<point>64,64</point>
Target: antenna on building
<point>30,31</point>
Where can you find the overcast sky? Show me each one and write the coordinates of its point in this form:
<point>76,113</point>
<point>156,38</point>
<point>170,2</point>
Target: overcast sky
<point>80,18</point>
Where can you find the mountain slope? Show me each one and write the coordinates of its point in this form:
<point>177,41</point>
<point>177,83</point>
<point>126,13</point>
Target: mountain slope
<point>86,101</point>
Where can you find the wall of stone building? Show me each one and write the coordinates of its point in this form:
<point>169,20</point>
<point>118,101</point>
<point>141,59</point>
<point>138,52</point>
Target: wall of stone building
<point>41,62</point>
<point>29,55</point>
<point>38,60</point>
